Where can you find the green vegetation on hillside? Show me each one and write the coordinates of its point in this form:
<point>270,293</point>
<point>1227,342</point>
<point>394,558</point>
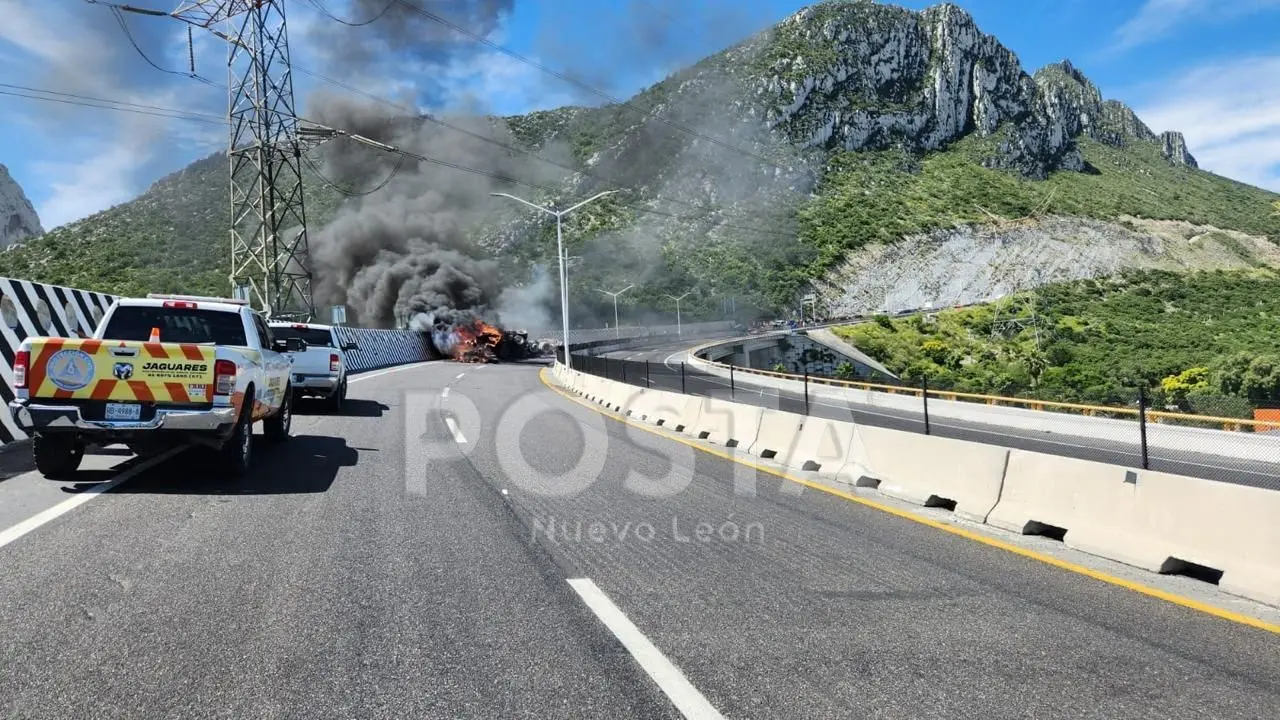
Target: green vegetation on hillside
<point>872,197</point>
<point>1190,339</point>
<point>172,238</point>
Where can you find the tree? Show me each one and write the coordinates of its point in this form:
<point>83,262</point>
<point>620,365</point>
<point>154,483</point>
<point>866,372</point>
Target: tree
<point>845,371</point>
<point>1178,387</point>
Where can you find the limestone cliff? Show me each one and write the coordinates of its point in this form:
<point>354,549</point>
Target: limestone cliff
<point>18,219</point>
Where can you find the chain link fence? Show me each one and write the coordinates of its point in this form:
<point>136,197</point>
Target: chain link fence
<point>1217,440</point>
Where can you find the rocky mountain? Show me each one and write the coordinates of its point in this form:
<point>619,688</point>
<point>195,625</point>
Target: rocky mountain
<point>881,156</point>
<point>18,219</point>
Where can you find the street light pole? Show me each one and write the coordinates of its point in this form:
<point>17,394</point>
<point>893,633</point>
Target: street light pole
<point>679,328</point>
<point>617,327</point>
<point>560,255</point>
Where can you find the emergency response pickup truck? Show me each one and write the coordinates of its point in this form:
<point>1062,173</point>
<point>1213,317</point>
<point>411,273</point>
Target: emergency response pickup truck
<point>159,372</point>
<point>321,369</point>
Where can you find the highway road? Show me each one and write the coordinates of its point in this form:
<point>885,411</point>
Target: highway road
<point>464,542</point>
<point>664,365</point>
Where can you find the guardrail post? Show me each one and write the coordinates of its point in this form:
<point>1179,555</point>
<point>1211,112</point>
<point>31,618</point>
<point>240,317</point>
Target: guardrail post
<point>682,391</point>
<point>1142,424</point>
<point>806,390</point>
<point>924,393</point>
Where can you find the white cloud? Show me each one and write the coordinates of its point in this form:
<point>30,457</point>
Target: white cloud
<point>1157,19</point>
<point>82,188</point>
<point>1230,115</point>
<point>497,83</point>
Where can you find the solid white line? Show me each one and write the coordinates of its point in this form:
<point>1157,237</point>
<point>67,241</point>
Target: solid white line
<point>670,680</point>
<point>10,534</point>
<point>667,363</point>
<point>380,373</point>
<point>444,394</point>
<point>453,429</point>
<point>459,376</point>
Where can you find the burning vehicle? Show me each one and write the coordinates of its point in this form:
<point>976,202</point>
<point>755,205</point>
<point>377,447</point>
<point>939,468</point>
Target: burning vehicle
<point>476,341</point>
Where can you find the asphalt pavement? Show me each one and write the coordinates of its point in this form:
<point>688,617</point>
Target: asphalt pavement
<point>664,373</point>
<point>463,542</point>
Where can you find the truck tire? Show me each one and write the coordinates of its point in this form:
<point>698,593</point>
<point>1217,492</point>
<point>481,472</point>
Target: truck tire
<point>237,451</point>
<point>276,427</point>
<point>57,455</point>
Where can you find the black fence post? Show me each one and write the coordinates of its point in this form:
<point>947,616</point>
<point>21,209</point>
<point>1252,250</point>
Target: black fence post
<point>624,364</point>
<point>647,382</point>
<point>1142,424</point>
<point>682,390</point>
<point>924,393</point>
<point>606,367</point>
<point>806,390</point>
<point>733,392</point>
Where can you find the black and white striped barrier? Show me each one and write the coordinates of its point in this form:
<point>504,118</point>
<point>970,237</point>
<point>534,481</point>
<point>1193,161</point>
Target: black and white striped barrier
<point>33,309</point>
<point>382,348</point>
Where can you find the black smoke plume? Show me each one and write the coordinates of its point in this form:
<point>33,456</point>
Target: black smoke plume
<point>406,252</point>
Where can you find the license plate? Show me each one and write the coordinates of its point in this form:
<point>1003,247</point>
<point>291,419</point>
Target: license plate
<point>123,411</point>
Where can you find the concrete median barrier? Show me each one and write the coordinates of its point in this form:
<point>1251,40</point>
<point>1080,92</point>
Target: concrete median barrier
<point>933,471</point>
<point>1229,528</point>
<point>1160,522</point>
<point>657,407</point>
<point>1091,506</point>
<point>687,419</point>
<point>830,447</point>
<point>728,423</point>
<point>777,436</point>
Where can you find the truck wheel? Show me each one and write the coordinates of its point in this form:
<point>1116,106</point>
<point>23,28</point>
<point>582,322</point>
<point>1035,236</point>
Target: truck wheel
<point>237,451</point>
<point>57,456</point>
<point>276,427</point>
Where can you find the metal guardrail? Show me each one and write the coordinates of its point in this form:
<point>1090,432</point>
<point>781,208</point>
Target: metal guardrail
<point>1137,414</point>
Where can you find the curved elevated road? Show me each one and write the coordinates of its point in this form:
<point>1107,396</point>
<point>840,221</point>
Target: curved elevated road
<point>665,359</point>
<point>465,542</point>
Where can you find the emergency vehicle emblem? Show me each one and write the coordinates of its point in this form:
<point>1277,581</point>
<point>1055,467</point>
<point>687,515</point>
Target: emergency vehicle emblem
<point>70,369</point>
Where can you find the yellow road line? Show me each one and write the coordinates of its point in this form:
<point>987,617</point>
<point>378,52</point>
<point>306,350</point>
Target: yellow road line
<point>962,532</point>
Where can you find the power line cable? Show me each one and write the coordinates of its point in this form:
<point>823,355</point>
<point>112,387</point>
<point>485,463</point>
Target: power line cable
<point>613,184</point>
<point>118,106</point>
<point>350,23</point>
<point>118,9</point>
<point>579,84</point>
<point>336,132</point>
<point>118,13</point>
<point>306,159</point>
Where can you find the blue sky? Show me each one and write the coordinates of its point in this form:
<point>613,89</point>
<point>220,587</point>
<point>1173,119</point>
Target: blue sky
<point>1210,68</point>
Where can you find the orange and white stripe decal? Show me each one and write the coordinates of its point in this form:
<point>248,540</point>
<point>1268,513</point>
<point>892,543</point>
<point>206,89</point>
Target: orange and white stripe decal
<point>105,387</point>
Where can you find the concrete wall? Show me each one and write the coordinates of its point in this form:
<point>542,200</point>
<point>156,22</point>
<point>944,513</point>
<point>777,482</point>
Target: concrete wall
<point>797,353</point>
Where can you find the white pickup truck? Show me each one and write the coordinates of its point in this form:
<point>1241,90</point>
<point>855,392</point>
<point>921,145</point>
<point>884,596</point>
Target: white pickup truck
<point>321,369</point>
<point>166,370</point>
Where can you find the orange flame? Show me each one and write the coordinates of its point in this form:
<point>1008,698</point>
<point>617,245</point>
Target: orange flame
<point>477,342</point>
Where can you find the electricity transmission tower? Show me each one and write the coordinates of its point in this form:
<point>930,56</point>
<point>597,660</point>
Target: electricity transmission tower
<point>269,251</point>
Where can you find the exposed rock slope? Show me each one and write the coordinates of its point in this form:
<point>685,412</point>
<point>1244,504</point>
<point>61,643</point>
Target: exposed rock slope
<point>785,160</point>
<point>18,218</point>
